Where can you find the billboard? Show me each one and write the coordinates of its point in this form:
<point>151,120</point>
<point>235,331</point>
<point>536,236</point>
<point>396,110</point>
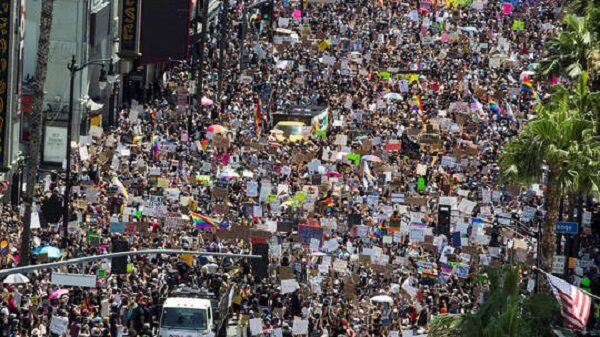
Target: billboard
<point>164,30</point>
<point>5,23</point>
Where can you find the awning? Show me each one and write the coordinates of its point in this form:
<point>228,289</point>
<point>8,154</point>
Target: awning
<point>93,106</point>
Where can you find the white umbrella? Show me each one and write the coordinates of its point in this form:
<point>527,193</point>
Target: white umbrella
<point>392,96</point>
<point>16,279</point>
<point>382,299</point>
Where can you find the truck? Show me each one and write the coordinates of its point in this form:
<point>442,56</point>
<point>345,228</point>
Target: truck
<point>295,124</point>
<point>195,312</point>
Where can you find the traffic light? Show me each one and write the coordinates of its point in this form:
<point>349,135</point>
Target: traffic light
<point>266,11</point>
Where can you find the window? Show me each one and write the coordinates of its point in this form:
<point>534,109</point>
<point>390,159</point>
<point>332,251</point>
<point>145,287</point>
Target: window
<point>184,318</point>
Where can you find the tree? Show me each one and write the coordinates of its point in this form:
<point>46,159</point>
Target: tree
<point>505,313</point>
<point>576,48</point>
<point>558,145</point>
<point>580,98</point>
<point>37,119</point>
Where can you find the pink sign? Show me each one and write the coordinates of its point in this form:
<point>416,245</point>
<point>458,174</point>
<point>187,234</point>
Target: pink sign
<point>507,8</point>
<point>297,14</point>
<point>445,37</point>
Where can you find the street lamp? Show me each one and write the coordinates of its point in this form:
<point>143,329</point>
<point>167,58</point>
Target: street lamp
<point>74,69</point>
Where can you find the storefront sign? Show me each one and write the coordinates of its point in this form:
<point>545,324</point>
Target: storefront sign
<point>55,144</point>
<point>130,36</point>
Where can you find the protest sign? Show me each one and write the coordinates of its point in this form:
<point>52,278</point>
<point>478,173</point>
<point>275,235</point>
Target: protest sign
<point>306,233</point>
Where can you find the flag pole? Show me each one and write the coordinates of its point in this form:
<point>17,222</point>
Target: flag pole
<point>583,290</point>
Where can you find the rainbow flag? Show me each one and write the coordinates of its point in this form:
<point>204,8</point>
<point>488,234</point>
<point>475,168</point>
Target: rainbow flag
<point>204,144</point>
<point>138,139</point>
<point>376,233</point>
<point>155,147</point>
<point>493,106</point>
<point>204,222</point>
<point>258,114</point>
<point>446,271</point>
<point>417,104</point>
<point>120,187</point>
<point>527,86</point>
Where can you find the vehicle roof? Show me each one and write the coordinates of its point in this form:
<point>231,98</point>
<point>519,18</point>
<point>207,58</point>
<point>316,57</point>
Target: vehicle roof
<point>186,302</point>
<point>308,110</point>
<point>290,123</point>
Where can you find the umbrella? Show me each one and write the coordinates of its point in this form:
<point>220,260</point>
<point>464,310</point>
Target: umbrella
<point>333,174</point>
<point>16,279</point>
<point>216,128</point>
<point>53,252</point>
<point>371,157</point>
<point>392,96</point>
<point>423,11</point>
<point>58,293</point>
<point>382,299</point>
<point>205,101</point>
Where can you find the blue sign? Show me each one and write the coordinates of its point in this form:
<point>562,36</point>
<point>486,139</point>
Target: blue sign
<point>563,227</point>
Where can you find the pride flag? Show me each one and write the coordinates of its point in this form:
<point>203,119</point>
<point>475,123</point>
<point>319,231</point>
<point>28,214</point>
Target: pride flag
<point>204,222</point>
<point>258,114</point>
<point>121,188</point>
<point>417,103</point>
<point>493,106</point>
<point>155,147</point>
<point>204,144</point>
<point>527,86</point>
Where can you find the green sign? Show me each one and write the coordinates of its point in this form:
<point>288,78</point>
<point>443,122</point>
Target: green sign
<point>355,157</point>
<point>421,184</point>
<point>101,273</point>
<point>321,133</point>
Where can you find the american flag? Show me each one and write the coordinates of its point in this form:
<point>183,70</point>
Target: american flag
<point>575,305</point>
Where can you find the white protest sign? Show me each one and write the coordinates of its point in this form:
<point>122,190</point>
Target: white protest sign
<point>416,235</point>
<point>74,280</point>
<point>59,325</point>
<point>300,327</point>
<point>35,220</point>
<point>256,326</point>
<point>558,264</point>
<point>289,286</point>
<point>252,189</point>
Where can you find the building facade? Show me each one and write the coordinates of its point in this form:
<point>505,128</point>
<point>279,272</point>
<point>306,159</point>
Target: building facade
<point>87,30</point>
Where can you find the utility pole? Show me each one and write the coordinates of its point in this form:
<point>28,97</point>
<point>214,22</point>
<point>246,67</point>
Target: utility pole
<point>200,84</point>
<point>244,24</point>
<point>73,69</point>
<point>37,119</point>
<point>222,36</point>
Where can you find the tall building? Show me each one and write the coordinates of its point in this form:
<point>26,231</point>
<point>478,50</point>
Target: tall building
<point>87,30</point>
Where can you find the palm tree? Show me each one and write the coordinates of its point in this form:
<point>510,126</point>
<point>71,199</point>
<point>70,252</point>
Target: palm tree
<point>505,312</point>
<point>36,125</point>
<point>559,144</point>
<point>580,98</point>
<point>576,48</point>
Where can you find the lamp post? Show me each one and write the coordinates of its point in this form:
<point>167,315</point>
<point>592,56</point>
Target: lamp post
<point>74,69</point>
